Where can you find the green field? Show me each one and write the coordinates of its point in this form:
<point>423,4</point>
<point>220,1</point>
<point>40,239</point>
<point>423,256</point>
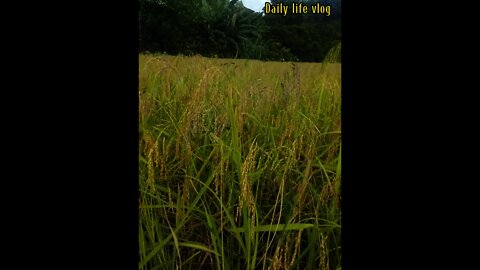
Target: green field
<point>240,164</point>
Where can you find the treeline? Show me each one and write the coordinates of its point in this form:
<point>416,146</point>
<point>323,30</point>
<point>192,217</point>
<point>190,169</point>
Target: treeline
<point>223,28</point>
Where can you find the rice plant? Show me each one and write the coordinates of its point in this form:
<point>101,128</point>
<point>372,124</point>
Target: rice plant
<point>240,164</point>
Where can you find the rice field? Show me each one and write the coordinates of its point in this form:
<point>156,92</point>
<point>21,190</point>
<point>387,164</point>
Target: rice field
<point>240,164</point>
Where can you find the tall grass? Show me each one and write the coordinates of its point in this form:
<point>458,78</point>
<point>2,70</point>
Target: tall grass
<point>239,164</point>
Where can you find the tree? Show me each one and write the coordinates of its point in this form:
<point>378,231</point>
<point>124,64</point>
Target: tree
<point>228,29</point>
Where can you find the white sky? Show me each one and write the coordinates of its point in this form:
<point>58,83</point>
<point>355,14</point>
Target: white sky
<point>255,5</point>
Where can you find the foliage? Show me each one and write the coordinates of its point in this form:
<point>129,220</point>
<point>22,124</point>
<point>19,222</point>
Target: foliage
<point>226,29</point>
<point>239,164</point>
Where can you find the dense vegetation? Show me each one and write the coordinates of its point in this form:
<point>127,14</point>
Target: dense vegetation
<point>239,164</point>
<point>227,29</point>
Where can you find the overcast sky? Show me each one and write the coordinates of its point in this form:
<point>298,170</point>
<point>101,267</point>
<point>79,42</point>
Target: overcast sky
<point>255,5</point>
